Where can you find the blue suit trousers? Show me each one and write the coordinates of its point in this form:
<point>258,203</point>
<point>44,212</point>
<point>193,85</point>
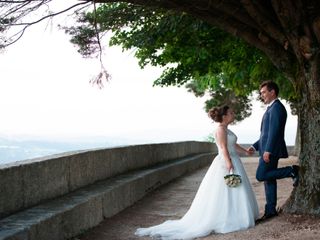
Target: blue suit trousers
<point>269,173</point>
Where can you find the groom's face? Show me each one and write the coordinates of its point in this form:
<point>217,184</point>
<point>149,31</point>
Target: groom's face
<point>266,95</point>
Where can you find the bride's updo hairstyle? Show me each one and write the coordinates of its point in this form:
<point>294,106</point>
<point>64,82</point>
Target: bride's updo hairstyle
<point>217,113</point>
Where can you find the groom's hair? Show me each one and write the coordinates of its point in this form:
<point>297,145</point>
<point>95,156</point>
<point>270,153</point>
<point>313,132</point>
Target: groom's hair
<point>270,86</point>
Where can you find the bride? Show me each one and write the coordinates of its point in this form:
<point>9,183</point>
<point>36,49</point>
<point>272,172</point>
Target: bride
<point>216,207</point>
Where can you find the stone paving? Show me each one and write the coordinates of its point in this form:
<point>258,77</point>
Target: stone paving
<point>172,201</point>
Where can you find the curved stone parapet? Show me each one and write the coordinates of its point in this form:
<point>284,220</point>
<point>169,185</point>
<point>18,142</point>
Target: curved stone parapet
<point>28,183</point>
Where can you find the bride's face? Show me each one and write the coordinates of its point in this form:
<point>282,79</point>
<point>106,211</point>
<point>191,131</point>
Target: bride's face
<point>229,117</point>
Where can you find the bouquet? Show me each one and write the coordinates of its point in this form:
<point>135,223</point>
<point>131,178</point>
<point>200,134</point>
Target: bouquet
<point>232,180</point>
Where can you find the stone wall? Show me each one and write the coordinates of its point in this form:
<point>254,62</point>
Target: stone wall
<point>28,183</point>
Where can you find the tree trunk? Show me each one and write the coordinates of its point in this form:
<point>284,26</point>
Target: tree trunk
<point>297,145</point>
<point>305,199</point>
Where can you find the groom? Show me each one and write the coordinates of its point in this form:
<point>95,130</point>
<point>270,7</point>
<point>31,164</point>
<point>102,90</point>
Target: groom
<point>271,147</point>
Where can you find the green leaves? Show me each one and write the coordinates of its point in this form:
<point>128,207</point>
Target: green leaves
<point>193,53</point>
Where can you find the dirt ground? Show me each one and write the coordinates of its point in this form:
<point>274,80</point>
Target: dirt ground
<point>172,201</point>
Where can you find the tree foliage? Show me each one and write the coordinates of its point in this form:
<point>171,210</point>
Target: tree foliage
<point>193,52</point>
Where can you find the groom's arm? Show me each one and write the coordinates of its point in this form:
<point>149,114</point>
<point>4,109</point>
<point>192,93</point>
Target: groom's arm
<point>276,117</point>
<point>256,145</point>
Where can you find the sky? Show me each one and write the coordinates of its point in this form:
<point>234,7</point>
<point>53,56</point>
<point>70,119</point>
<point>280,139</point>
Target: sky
<point>45,93</point>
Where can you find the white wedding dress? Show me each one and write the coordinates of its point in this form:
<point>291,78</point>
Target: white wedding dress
<point>216,207</point>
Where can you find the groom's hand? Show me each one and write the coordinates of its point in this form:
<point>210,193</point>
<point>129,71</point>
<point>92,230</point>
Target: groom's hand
<point>266,157</point>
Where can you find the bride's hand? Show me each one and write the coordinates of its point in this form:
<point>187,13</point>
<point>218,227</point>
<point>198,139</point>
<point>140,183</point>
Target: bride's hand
<point>229,165</point>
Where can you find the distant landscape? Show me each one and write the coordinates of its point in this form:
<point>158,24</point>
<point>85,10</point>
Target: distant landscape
<point>12,150</point>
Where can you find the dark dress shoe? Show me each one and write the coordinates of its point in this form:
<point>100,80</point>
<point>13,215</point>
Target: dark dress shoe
<point>295,175</point>
<point>266,217</point>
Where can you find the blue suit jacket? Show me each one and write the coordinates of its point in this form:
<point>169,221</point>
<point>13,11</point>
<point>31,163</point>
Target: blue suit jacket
<point>272,131</point>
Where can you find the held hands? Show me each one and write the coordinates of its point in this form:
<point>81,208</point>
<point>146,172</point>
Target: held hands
<point>250,150</point>
<point>266,155</point>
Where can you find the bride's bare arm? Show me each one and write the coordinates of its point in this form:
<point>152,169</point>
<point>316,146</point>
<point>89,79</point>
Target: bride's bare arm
<point>221,136</point>
<point>241,149</point>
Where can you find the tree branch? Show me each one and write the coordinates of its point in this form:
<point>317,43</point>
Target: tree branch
<point>277,54</point>
<point>50,15</point>
<point>15,2</point>
<point>267,26</point>
<point>26,25</point>
<point>235,10</point>
<point>290,14</point>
